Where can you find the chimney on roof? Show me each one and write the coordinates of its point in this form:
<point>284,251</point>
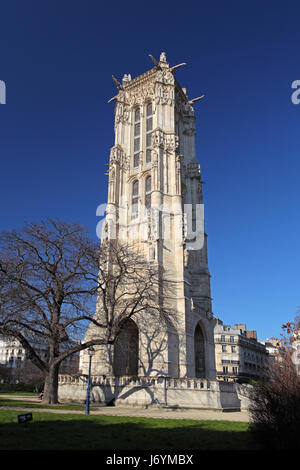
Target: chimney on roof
<point>240,326</point>
<point>251,334</point>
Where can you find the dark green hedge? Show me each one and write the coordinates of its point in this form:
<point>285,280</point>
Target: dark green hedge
<point>35,387</point>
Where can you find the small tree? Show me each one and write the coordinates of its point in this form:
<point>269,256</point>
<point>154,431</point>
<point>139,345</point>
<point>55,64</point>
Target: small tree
<point>50,276</point>
<point>275,402</point>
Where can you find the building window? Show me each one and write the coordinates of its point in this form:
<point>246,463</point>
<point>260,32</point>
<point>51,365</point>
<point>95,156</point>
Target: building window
<point>225,369</point>
<point>137,137</point>
<point>223,347</point>
<point>135,200</point>
<point>222,338</point>
<point>232,339</point>
<point>233,349</point>
<point>148,193</point>
<point>148,132</point>
<point>225,361</point>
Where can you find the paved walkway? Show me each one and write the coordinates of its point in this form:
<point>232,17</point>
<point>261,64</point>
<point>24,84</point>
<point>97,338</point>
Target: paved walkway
<point>166,413</point>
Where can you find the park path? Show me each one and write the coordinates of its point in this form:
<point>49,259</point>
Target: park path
<point>165,413</point>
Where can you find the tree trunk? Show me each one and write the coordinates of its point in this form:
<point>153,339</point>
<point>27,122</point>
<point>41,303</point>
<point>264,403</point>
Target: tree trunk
<point>51,386</point>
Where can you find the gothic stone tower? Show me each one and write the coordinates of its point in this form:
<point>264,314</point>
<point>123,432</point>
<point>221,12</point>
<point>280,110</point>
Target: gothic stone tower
<point>153,169</point>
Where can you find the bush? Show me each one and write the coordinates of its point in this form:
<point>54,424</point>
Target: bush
<point>275,408</point>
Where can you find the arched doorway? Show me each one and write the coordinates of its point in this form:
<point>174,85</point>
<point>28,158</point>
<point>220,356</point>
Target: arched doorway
<point>126,350</point>
<point>199,352</point>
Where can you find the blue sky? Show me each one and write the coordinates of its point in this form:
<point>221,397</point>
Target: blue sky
<point>56,130</point>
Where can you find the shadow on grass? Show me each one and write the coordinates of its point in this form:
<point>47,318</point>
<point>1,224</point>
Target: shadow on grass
<point>80,432</point>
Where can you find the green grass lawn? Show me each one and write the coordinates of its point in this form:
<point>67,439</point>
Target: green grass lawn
<point>50,431</point>
<point>81,432</point>
<point>23,394</point>
<point>27,404</point>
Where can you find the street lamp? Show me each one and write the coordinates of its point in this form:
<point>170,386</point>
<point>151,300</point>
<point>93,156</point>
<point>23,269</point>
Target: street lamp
<point>91,352</point>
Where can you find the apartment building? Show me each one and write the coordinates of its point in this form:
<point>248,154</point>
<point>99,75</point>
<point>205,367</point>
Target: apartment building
<point>14,363</point>
<point>239,356</point>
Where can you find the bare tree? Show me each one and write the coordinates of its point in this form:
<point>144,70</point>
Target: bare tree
<point>275,402</point>
<point>129,286</point>
<point>52,275</point>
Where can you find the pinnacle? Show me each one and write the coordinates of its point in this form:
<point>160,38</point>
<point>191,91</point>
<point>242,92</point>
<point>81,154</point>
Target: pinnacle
<point>163,57</point>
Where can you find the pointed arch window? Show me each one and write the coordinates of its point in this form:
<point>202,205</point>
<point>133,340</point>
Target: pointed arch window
<point>148,132</point>
<point>199,345</point>
<point>137,137</point>
<point>112,185</point>
<point>135,199</point>
<point>148,193</point>
<point>126,350</point>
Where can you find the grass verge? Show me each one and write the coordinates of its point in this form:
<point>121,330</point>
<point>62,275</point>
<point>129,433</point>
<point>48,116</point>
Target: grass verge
<point>48,431</point>
<point>27,404</point>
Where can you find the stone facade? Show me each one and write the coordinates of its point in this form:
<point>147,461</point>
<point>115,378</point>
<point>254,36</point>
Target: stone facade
<point>238,353</point>
<point>154,391</point>
<point>155,199</point>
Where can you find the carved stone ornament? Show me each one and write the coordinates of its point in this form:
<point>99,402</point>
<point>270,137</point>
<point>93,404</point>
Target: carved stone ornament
<point>110,209</point>
<point>192,170</point>
<point>117,155</point>
<point>183,106</point>
<point>140,95</point>
<point>166,77</point>
<point>171,142</point>
<point>157,138</point>
<point>164,94</point>
<point>188,109</point>
<point>178,165</point>
<point>163,57</point>
<point>122,113</point>
<point>189,127</point>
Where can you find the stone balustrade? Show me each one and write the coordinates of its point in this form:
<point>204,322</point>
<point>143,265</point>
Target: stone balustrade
<point>145,391</point>
<point>182,383</point>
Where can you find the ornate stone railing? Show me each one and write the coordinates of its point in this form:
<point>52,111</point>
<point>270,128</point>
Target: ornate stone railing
<point>149,381</point>
<point>158,391</point>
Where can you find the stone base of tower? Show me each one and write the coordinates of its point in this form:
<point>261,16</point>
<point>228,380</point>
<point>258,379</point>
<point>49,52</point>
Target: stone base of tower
<point>151,391</point>
<point>146,350</point>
